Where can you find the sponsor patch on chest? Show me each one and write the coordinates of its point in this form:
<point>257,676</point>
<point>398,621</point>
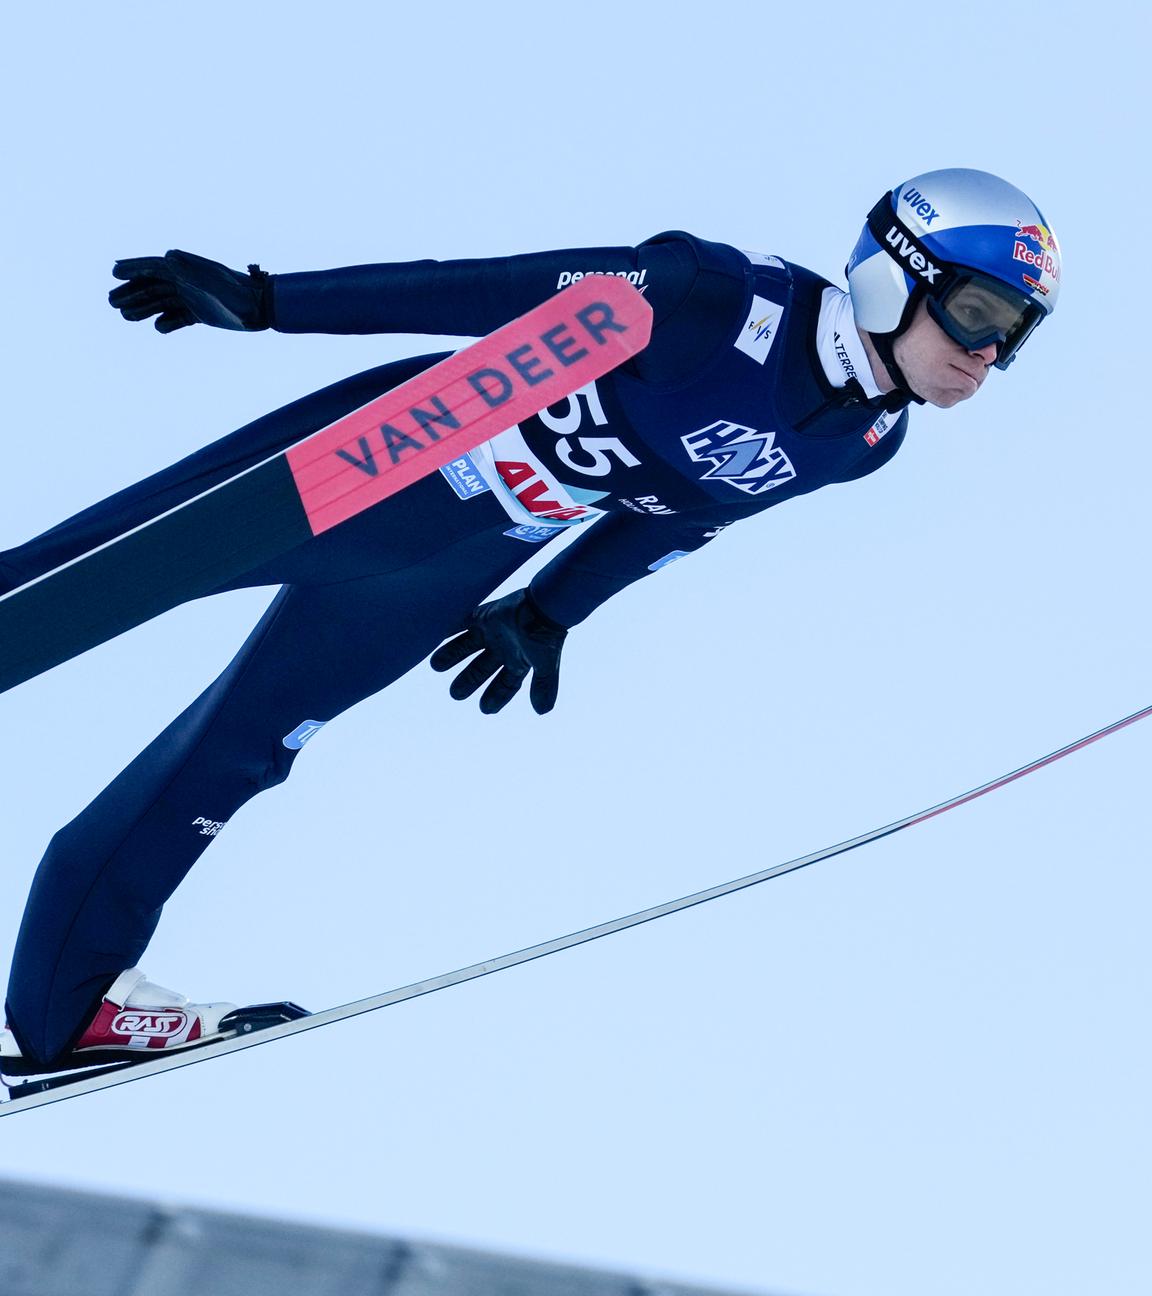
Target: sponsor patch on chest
<point>749,460</point>
<point>533,485</point>
<point>760,329</point>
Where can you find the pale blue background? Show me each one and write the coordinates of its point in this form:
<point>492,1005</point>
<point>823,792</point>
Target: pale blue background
<point>921,1068</point>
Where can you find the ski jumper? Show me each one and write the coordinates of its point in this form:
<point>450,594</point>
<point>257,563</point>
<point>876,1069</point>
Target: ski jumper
<point>754,389</point>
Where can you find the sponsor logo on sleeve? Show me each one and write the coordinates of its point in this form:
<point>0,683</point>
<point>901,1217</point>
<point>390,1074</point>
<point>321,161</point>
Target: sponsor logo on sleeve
<point>740,456</point>
<point>209,827</point>
<point>634,277</point>
<point>668,558</point>
<point>303,733</point>
<point>760,329</point>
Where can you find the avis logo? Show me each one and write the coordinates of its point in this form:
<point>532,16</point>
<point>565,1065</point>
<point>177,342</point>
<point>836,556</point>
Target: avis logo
<point>158,1025</point>
<point>533,491</point>
<point>741,456</point>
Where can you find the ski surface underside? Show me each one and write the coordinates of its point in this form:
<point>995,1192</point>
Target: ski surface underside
<point>104,1078</point>
<point>535,361</point>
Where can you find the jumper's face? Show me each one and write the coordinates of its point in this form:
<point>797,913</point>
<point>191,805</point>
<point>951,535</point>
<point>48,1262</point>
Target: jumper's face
<point>937,368</point>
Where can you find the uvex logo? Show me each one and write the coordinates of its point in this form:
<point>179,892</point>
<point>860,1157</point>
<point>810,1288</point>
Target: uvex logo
<point>149,1023</point>
<point>920,205</point>
<point>907,252</point>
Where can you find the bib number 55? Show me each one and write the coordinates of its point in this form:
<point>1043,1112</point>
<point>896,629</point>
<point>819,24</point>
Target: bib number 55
<point>590,455</point>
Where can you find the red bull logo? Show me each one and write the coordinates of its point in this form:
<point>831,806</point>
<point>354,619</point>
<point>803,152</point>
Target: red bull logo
<point>1046,260</point>
<point>1039,234</point>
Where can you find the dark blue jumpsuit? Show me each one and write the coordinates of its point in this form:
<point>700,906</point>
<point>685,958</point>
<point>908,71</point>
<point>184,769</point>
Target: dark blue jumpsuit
<point>726,413</point>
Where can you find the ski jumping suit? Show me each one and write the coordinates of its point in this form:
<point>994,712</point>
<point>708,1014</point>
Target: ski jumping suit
<point>755,388</point>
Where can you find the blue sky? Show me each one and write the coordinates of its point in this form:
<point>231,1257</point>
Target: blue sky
<point>922,1067</point>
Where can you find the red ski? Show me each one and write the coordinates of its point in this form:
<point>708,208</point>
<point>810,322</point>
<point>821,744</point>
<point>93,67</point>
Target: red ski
<point>332,475</point>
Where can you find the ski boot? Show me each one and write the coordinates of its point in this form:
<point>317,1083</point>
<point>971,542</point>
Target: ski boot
<point>136,1020</point>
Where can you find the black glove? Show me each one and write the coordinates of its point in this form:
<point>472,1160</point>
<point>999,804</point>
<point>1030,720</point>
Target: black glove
<point>181,288</point>
<point>513,637</point>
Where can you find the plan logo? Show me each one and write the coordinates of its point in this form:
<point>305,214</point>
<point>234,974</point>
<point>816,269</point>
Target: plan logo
<point>464,477</point>
<point>740,456</point>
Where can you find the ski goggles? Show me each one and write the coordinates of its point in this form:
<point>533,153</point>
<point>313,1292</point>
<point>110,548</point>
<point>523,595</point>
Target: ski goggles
<point>976,311</point>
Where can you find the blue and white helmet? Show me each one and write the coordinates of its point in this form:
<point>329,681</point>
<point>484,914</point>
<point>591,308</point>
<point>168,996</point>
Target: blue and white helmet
<point>980,251</point>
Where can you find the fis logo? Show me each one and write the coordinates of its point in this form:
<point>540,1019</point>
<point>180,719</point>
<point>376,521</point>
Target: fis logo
<point>908,253</point>
<point>760,329</point>
<point>740,456</point>
<point>152,1025</point>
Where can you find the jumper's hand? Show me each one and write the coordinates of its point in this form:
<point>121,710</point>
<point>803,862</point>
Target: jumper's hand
<point>181,289</point>
<point>513,637</point>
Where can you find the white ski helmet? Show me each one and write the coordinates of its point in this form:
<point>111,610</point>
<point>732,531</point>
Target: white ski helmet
<point>979,250</point>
